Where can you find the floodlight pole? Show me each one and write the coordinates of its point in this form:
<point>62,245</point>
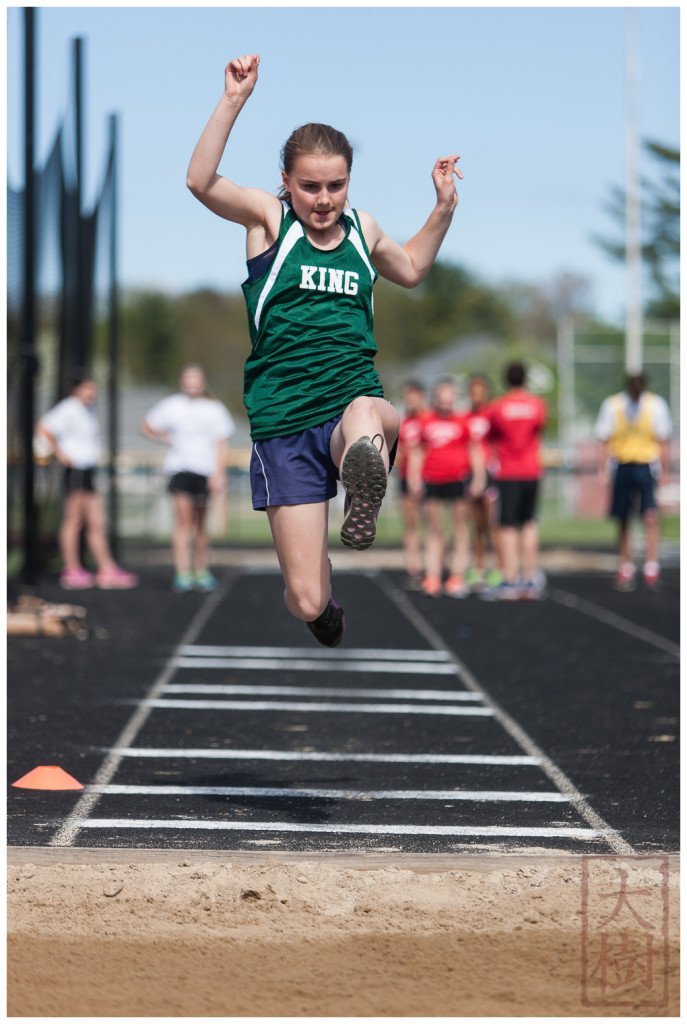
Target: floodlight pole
<point>633,241</point>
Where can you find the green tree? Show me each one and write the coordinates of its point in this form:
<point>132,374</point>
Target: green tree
<point>660,229</point>
<point>150,338</point>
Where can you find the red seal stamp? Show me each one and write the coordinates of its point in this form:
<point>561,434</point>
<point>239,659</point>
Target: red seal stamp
<point>625,952</point>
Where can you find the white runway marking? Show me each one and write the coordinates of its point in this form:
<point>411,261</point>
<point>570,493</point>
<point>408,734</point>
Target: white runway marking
<point>483,831</point>
<point>414,668</point>
<point>69,830</point>
<point>475,795</point>
<point>295,705</point>
<point>517,760</point>
<point>346,654</point>
<point>320,691</point>
<point>524,741</point>
<point>612,619</point>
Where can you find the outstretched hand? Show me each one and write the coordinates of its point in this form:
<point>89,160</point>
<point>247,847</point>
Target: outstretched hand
<point>240,76</point>
<point>442,176</point>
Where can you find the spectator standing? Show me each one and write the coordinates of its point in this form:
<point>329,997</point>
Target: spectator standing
<point>446,466</point>
<point>483,506</point>
<point>410,434</point>
<point>197,429</point>
<point>72,430</point>
<point>634,427</point>
<point>516,421</point>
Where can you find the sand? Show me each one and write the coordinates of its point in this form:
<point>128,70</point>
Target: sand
<point>221,935</point>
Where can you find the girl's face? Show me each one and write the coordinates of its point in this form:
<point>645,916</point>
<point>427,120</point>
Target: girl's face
<point>319,187</point>
<point>413,400</point>
<point>87,392</point>
<point>444,398</point>
<point>193,383</point>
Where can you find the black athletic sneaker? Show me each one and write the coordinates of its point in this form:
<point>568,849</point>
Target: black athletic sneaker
<point>329,627</point>
<point>363,474</point>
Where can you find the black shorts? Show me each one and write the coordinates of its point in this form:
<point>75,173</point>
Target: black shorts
<point>453,491</point>
<point>79,479</point>
<point>632,482</point>
<point>517,501</point>
<point>194,484</point>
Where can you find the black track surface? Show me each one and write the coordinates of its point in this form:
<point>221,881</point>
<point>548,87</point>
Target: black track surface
<point>601,704</point>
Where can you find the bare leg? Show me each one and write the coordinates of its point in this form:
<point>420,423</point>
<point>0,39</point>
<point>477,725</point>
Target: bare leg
<point>624,546</point>
<point>96,532</point>
<point>529,539</point>
<point>479,514</point>
<point>435,546</point>
<point>73,517</point>
<point>652,526</point>
<point>411,512</point>
<point>508,544</point>
<point>201,540</point>
<point>365,417</point>
<point>300,539</point>
<point>461,538</point>
<point>182,532</point>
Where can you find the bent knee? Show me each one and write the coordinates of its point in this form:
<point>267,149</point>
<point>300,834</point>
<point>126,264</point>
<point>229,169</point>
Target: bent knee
<point>362,406</point>
<point>650,515</point>
<point>306,603</point>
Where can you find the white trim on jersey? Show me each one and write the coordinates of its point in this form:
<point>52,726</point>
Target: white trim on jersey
<point>294,233</point>
<point>354,237</point>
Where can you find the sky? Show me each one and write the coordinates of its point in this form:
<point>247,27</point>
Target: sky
<point>533,98</point>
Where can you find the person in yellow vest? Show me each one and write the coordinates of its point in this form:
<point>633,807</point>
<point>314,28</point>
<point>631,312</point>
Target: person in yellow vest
<point>635,427</point>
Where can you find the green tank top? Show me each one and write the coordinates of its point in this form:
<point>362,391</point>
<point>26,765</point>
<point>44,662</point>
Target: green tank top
<point>310,315</point>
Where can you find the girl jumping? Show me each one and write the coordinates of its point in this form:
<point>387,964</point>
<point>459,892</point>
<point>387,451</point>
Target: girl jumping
<point>314,399</point>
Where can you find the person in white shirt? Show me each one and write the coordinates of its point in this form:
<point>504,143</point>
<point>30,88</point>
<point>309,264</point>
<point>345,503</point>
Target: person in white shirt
<point>72,431</point>
<point>197,429</point>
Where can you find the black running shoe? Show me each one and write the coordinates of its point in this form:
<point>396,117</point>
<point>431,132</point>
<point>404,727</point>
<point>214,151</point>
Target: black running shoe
<point>329,627</point>
<point>363,474</point>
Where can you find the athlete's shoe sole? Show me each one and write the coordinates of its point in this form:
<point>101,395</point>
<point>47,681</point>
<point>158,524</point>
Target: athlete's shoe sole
<point>363,475</point>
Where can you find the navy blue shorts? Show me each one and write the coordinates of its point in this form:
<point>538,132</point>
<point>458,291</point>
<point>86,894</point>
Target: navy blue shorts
<point>294,470</point>
<point>632,481</point>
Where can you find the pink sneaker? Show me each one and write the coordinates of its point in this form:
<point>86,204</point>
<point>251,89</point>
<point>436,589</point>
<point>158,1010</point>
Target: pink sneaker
<point>76,579</point>
<point>116,579</point>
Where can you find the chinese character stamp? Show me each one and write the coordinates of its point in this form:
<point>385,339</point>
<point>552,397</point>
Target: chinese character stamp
<point>625,952</point>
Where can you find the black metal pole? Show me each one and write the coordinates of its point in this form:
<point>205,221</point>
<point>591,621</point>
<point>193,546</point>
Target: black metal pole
<point>80,343</point>
<point>29,309</point>
<point>113,347</point>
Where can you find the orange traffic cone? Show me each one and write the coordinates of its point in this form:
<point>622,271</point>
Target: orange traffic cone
<point>47,777</point>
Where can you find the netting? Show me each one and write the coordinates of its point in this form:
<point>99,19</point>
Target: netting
<point>72,271</point>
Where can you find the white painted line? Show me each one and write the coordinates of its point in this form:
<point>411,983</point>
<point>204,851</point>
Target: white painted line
<point>414,668</point>
<point>483,831</point>
<point>475,795</point>
<point>208,753</point>
<point>296,705</point>
<point>320,691</point>
<point>515,731</point>
<point>612,619</point>
<point>346,654</point>
<point>66,835</point>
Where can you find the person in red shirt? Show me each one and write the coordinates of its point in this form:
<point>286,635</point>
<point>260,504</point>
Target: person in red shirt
<point>482,507</point>
<point>446,466</point>
<point>410,433</point>
<point>517,420</point>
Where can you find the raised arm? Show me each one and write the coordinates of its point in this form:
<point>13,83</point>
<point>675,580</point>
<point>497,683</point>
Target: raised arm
<point>409,264</point>
<point>250,207</point>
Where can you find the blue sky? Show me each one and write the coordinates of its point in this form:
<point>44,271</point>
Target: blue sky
<point>533,99</point>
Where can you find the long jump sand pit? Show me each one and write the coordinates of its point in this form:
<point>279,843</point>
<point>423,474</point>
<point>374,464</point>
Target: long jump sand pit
<point>175,934</point>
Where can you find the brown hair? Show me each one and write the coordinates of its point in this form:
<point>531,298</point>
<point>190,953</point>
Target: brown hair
<point>310,139</point>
